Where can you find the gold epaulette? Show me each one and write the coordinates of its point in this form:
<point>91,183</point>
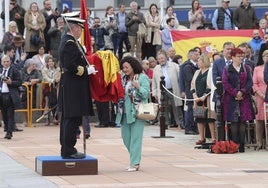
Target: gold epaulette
<point>80,70</point>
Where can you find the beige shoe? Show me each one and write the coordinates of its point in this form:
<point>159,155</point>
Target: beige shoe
<point>133,168</point>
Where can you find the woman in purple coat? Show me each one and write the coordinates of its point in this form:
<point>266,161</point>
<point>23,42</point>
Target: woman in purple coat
<point>236,100</point>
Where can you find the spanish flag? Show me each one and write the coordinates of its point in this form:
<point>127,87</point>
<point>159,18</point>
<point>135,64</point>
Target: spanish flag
<point>210,41</point>
<point>85,36</point>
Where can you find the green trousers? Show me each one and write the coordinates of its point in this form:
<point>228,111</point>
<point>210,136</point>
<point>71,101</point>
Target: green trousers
<point>132,135</point>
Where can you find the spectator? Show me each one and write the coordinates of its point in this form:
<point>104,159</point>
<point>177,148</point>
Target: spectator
<point>122,31</point>
<point>263,27</point>
<point>188,69</point>
<point>245,16</point>
<point>177,59</point>
<point>133,19</point>
<point>51,74</point>
<point>201,89</point>
<point>50,17</point>
<point>196,15</point>
<point>137,89</point>
<point>259,88</point>
<point>170,14</point>
<point>264,46</point>
<point>55,33</point>
<point>9,98</point>
<point>166,37</point>
<point>223,17</point>
<point>30,76</point>
<point>265,16</point>
<point>98,32</point>
<point>90,19</point>
<point>171,53</point>
<point>255,44</point>
<point>247,55</point>
<point>171,72</point>
<point>152,62</point>
<point>19,54</point>
<point>236,100</point>
<point>16,13</point>
<point>9,35</point>
<point>39,58</point>
<point>35,24</point>
<point>217,69</point>
<point>110,24</point>
<point>153,37</point>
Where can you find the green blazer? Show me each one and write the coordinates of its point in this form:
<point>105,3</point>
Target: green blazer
<point>142,93</point>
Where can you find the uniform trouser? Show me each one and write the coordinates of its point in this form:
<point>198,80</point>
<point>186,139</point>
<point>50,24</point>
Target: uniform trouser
<point>135,44</point>
<point>132,135</point>
<point>68,130</point>
<point>8,112</point>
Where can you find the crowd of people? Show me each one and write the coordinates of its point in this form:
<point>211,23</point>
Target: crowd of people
<point>242,70</point>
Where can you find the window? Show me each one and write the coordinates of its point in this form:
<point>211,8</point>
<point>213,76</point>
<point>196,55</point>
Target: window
<point>90,3</point>
<point>202,2</point>
<point>127,2</point>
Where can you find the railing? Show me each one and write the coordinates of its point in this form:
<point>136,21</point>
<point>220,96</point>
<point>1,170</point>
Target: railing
<point>29,97</point>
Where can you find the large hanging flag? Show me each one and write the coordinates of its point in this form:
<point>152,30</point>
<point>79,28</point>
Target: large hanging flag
<point>210,41</point>
<point>85,36</point>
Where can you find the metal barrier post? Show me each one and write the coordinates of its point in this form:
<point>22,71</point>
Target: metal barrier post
<point>163,125</point>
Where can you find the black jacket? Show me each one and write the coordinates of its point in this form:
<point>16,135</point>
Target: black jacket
<point>74,93</point>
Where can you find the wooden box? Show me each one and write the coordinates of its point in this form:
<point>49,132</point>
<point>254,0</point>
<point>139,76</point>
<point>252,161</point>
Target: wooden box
<point>57,166</point>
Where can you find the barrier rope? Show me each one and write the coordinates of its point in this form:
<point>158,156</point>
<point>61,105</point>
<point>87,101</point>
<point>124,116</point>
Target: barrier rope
<point>184,99</point>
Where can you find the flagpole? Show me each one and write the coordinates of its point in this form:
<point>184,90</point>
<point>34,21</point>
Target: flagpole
<point>161,2</point>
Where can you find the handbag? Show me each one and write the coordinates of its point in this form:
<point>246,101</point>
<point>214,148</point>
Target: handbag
<point>37,38</point>
<point>142,31</point>
<point>200,112</point>
<point>146,111</point>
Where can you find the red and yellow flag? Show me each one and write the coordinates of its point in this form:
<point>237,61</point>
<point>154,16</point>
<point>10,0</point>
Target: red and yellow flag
<point>210,41</point>
<point>85,37</point>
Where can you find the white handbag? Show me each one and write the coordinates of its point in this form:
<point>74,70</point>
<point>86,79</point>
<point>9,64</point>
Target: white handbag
<point>147,111</point>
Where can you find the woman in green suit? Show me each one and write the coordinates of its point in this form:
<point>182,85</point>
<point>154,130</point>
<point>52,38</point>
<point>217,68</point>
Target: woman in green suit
<point>137,90</point>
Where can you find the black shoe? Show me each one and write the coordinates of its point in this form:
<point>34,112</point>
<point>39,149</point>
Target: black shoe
<point>101,126</point>
<point>191,132</point>
<point>87,135</point>
<point>173,126</point>
<point>77,155</point>
<point>8,136</point>
<point>18,130</point>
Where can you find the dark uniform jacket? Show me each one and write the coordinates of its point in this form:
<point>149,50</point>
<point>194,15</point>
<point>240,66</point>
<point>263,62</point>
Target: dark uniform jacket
<point>15,76</point>
<point>74,93</point>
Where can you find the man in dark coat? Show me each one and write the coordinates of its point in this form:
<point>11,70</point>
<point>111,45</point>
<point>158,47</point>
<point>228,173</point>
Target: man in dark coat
<point>10,97</point>
<point>74,94</point>
<point>16,13</point>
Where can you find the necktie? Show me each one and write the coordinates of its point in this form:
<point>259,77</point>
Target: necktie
<point>228,63</point>
<point>3,75</point>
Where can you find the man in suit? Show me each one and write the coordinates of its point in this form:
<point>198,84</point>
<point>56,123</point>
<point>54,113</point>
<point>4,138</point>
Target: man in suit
<point>217,69</point>
<point>9,97</point>
<point>74,93</point>
<point>188,70</point>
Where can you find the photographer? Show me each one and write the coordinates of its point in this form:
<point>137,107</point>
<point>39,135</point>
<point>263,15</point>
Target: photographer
<point>98,31</point>
<point>9,98</point>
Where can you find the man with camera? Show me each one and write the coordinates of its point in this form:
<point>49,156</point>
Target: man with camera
<point>98,31</point>
<point>10,80</point>
<point>51,19</point>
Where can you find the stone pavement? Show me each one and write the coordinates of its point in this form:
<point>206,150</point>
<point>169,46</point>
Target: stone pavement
<point>166,162</point>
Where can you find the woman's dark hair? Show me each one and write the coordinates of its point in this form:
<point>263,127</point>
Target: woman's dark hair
<point>236,51</point>
<point>198,49</point>
<point>193,1</point>
<point>168,8</point>
<point>176,58</point>
<point>134,63</point>
<point>153,4</point>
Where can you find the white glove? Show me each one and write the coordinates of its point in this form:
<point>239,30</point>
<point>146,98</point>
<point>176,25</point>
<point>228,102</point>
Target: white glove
<point>91,69</point>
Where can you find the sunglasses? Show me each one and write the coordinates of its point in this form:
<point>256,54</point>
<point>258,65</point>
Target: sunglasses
<point>12,3</point>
